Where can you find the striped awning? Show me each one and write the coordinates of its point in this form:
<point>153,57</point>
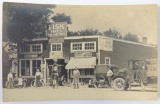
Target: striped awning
<point>81,63</point>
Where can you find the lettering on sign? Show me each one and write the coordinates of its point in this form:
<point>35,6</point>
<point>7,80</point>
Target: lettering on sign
<point>56,40</point>
<point>57,29</point>
<point>58,54</point>
<point>83,54</point>
<point>106,44</point>
<point>30,56</point>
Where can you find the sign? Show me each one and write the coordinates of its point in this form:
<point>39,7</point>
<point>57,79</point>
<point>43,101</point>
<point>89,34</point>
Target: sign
<point>106,44</point>
<point>57,29</point>
<point>83,54</point>
<point>55,55</point>
<point>56,40</point>
<point>30,56</point>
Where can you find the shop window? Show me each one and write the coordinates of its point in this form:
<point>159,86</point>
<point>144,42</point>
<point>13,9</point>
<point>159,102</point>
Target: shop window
<point>107,60</point>
<point>77,46</point>
<point>25,48</point>
<point>89,71</point>
<point>89,46</point>
<point>35,65</point>
<point>36,48</point>
<point>25,67</point>
<point>56,47</point>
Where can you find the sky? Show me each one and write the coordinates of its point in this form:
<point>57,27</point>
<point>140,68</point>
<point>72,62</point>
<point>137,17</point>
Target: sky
<point>140,20</point>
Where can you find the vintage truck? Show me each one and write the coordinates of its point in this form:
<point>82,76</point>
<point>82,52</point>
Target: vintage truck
<point>118,77</point>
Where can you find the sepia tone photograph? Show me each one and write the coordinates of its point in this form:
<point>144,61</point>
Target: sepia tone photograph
<point>79,52</point>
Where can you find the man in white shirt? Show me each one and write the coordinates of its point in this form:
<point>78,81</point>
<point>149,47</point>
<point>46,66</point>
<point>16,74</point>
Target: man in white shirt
<point>10,79</point>
<point>109,75</point>
<point>37,77</point>
<point>76,75</point>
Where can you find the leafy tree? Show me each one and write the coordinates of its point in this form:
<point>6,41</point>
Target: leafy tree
<point>112,33</point>
<point>85,32</point>
<point>131,37</point>
<point>25,21</point>
<point>62,18</point>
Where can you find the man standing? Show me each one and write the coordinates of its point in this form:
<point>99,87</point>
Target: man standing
<point>37,77</point>
<point>76,75</point>
<point>128,78</point>
<point>109,75</point>
<point>10,79</point>
<point>55,76</point>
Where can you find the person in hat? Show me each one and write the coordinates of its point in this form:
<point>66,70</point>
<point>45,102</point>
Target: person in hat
<point>109,75</point>
<point>76,75</point>
<point>10,79</point>
<point>55,75</point>
<point>37,77</point>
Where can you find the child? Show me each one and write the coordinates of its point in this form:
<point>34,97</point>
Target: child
<point>20,82</point>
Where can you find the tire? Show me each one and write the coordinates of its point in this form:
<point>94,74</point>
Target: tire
<point>118,84</point>
<point>42,83</point>
<point>7,85</point>
<point>24,84</point>
<point>32,83</point>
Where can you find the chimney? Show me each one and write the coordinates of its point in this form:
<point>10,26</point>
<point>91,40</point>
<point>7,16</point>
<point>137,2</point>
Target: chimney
<point>144,40</point>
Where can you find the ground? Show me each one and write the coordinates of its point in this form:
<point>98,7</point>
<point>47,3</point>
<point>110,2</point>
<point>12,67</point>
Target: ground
<point>83,93</point>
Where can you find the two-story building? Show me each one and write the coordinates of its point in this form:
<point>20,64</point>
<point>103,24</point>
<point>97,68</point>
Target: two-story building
<point>83,52</point>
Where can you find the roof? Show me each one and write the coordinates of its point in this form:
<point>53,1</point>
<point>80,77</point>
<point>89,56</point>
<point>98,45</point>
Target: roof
<point>81,63</point>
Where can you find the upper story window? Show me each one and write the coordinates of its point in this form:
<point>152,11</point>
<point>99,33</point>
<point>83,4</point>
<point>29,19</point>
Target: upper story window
<point>25,48</point>
<point>107,60</point>
<point>36,48</point>
<point>56,47</point>
<point>83,46</point>
<point>89,46</point>
<point>31,48</point>
<point>77,46</point>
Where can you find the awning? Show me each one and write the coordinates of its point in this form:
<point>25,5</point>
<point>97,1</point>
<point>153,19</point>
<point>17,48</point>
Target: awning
<point>81,63</point>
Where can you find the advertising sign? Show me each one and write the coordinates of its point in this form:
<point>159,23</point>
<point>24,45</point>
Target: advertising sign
<point>55,55</point>
<point>56,40</point>
<point>83,54</point>
<point>57,29</point>
<point>106,44</point>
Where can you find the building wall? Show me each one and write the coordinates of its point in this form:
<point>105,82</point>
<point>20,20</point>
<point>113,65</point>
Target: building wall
<point>123,51</point>
<point>67,47</point>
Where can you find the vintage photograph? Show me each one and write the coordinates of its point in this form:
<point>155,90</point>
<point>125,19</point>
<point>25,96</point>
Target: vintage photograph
<point>79,52</point>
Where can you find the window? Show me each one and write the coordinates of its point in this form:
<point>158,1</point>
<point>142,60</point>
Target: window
<point>35,65</point>
<point>107,60</point>
<point>83,46</point>
<point>25,67</point>
<point>89,46</point>
<point>89,71</point>
<point>77,46</point>
<point>32,48</point>
<point>56,47</point>
<point>36,48</point>
<point>25,48</point>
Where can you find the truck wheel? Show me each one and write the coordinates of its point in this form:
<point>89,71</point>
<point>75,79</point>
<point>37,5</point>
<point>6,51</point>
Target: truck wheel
<point>7,84</point>
<point>32,83</point>
<point>118,84</point>
<point>24,84</point>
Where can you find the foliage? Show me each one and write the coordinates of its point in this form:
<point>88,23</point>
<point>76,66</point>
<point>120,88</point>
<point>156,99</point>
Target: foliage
<point>25,21</point>
<point>112,33</point>
<point>62,18</point>
<point>85,32</point>
<point>131,37</point>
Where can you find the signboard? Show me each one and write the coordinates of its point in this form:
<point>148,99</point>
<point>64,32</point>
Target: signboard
<point>56,40</point>
<point>30,56</point>
<point>106,44</point>
<point>55,55</point>
<point>57,29</point>
<point>83,54</point>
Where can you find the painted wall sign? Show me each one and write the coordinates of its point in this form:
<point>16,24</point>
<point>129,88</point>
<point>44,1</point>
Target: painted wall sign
<point>83,54</point>
<point>30,56</point>
<point>56,39</point>
<point>57,29</point>
<point>106,44</point>
<point>55,55</point>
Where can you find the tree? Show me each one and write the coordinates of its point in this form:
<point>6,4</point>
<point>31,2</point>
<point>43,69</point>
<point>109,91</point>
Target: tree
<point>85,32</point>
<point>62,18</point>
<point>131,37</point>
<point>112,33</point>
<point>25,21</point>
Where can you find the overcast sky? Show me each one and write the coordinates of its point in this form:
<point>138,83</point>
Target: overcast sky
<point>140,20</point>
